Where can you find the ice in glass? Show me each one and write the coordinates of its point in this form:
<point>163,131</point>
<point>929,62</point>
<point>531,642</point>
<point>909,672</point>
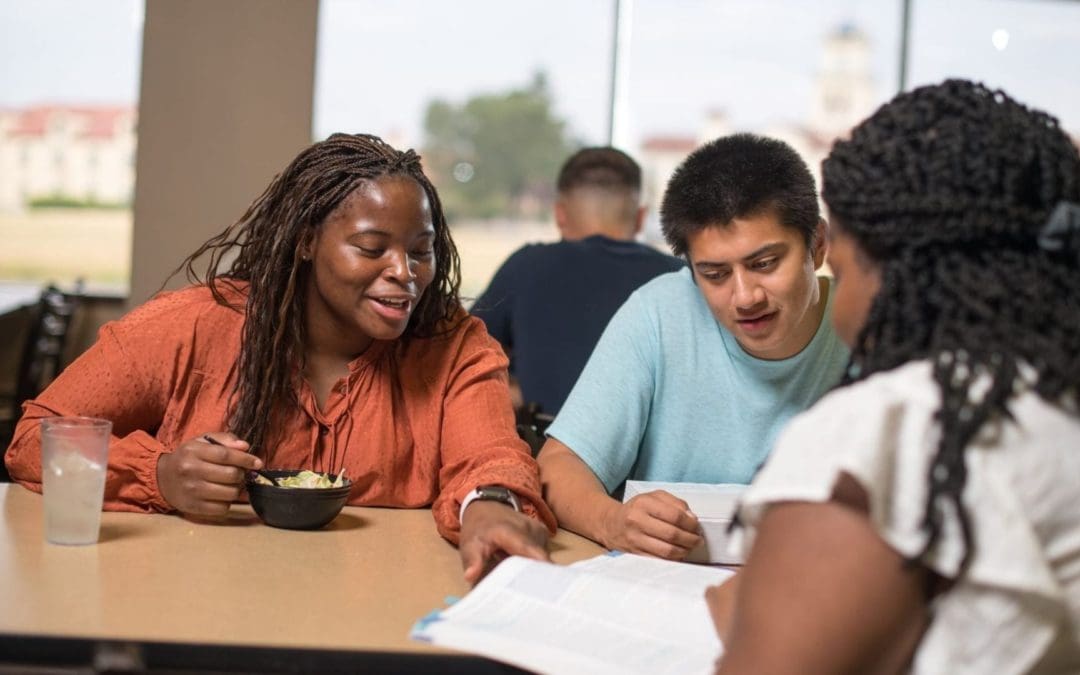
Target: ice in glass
<point>74,456</point>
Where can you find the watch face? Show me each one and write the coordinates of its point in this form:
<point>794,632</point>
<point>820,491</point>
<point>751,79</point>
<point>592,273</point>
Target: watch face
<point>494,492</point>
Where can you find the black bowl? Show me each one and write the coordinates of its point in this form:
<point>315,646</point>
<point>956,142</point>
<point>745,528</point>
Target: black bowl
<point>296,508</point>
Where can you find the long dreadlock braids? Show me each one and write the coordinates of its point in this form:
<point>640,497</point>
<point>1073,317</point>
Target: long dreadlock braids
<point>268,240</point>
<point>948,189</point>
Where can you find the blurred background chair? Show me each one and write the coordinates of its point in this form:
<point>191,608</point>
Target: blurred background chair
<point>46,327</point>
<point>531,425</point>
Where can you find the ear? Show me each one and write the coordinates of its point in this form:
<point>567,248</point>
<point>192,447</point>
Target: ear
<point>562,219</point>
<point>307,245</point>
<point>639,220</point>
<point>820,245</point>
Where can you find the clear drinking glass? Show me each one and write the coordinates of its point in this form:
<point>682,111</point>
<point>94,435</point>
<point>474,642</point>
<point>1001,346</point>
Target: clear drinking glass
<point>74,456</point>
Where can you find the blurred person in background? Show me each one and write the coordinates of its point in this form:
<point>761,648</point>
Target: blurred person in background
<point>548,303</point>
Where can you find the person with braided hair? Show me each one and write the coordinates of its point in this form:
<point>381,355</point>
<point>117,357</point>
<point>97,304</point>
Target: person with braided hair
<point>327,334</point>
<point>925,515</point>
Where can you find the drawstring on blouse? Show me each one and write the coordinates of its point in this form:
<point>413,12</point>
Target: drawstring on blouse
<point>346,416</point>
<point>335,465</point>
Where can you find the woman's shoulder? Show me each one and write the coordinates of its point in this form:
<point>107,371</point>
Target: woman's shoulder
<point>188,305</point>
<point>458,343</point>
<point>891,414</point>
<point>454,337</point>
<point>879,430</point>
<point>910,385</point>
<point>459,328</point>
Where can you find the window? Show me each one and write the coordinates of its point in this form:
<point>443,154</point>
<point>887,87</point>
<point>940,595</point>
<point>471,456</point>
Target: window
<point>68,95</point>
<point>472,100</point>
<point>801,72</point>
<point>688,72</point>
<point>1029,49</point>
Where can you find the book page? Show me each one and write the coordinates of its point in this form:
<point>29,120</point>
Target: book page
<point>684,579</point>
<point>598,618</point>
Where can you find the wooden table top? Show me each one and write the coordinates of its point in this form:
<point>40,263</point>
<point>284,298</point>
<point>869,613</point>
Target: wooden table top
<point>358,584</point>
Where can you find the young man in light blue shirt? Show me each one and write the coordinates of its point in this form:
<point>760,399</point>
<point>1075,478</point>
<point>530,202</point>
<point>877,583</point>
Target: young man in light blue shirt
<point>697,372</point>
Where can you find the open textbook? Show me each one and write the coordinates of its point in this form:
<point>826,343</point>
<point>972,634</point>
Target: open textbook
<point>615,613</point>
<point>713,505</point>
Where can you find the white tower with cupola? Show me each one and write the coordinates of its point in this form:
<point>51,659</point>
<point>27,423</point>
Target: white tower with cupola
<point>844,92</point>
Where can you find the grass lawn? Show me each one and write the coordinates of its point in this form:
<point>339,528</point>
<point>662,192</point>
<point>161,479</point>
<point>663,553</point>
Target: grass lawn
<point>484,246</point>
<point>62,245</point>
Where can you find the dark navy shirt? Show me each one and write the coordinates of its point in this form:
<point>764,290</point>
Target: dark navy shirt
<point>549,303</point>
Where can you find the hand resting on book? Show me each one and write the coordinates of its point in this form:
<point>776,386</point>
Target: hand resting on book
<point>654,523</point>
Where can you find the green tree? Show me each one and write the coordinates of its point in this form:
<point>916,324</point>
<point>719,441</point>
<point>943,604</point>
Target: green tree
<point>497,154</point>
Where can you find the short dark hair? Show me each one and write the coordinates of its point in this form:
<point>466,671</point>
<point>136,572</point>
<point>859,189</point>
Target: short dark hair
<point>601,167</point>
<point>736,177</point>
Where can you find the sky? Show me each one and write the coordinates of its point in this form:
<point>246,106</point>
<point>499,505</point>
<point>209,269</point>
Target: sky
<point>69,51</point>
<point>379,62</point>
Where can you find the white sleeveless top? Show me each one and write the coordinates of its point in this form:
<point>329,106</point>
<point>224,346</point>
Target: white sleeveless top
<point>1017,609</point>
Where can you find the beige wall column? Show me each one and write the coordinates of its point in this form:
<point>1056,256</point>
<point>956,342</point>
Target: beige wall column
<point>225,103</point>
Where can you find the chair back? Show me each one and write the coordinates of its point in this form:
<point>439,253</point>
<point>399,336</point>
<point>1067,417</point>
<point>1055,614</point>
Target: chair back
<point>43,351</point>
<point>531,425</point>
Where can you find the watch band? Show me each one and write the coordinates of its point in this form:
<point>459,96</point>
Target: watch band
<point>496,493</point>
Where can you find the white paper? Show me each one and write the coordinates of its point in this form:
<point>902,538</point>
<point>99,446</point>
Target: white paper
<point>713,504</point>
<point>610,614</point>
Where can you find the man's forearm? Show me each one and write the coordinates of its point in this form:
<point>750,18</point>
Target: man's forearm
<point>574,493</point>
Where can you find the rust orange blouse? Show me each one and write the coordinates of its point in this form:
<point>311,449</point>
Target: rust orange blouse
<point>414,424</point>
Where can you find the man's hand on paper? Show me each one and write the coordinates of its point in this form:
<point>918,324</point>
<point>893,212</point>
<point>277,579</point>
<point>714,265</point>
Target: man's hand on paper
<point>492,531</point>
<point>654,523</point>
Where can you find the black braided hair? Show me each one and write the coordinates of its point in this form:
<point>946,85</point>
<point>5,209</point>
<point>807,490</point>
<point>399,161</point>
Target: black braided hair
<point>268,239</point>
<point>947,189</point>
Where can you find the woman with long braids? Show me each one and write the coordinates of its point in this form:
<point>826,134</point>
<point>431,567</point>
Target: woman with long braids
<point>925,515</point>
<point>328,335</point>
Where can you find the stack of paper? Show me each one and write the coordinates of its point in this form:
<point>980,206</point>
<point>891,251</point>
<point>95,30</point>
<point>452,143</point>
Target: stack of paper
<point>613,614</point>
<point>714,505</point>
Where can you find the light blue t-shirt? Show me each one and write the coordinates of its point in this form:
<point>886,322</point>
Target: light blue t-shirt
<point>669,395</point>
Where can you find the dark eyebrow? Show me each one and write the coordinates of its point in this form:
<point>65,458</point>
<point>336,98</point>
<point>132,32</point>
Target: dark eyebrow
<point>426,234</point>
<point>773,248</point>
<point>767,249</point>
<point>709,265</point>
